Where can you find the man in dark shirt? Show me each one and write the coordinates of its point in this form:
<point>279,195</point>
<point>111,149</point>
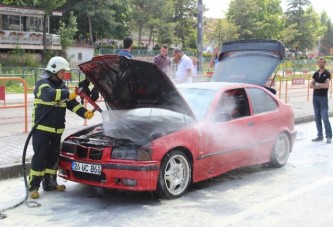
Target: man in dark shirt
<point>128,44</point>
<point>320,84</point>
<point>162,60</point>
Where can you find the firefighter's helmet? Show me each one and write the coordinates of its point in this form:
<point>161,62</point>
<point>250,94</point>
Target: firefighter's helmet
<point>56,64</point>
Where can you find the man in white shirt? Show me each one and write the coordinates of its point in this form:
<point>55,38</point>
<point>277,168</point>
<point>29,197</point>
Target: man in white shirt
<point>184,69</point>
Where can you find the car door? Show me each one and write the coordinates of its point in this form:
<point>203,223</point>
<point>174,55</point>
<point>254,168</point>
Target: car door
<point>229,142</point>
<point>265,114</point>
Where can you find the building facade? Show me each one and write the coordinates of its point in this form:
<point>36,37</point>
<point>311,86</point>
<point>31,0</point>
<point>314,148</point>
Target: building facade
<point>23,28</point>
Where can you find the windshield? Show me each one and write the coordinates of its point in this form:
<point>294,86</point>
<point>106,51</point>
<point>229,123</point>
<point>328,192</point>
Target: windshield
<point>198,99</point>
<point>253,67</point>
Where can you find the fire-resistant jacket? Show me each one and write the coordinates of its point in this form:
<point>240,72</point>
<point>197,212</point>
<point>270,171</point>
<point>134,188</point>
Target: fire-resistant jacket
<point>47,94</point>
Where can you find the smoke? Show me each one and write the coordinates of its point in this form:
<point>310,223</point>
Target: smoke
<point>142,125</point>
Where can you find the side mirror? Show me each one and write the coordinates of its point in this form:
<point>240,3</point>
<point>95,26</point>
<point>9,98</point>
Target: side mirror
<point>222,117</point>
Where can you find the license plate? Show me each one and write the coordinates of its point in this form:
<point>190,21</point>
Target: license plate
<point>87,168</point>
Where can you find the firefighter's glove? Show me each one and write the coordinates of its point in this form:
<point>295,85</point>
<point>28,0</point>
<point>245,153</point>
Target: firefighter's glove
<point>88,114</point>
<point>72,95</point>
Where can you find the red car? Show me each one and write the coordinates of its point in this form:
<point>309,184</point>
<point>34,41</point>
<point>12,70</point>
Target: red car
<point>159,137</point>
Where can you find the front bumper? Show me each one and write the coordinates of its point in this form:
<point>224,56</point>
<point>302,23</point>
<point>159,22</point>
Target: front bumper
<point>116,174</point>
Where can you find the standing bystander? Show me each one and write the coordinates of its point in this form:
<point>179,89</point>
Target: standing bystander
<point>184,68</point>
<point>128,45</point>
<point>215,57</point>
<point>162,60</point>
<point>320,84</point>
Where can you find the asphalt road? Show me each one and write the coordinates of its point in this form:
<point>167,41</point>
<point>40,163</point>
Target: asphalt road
<point>298,194</point>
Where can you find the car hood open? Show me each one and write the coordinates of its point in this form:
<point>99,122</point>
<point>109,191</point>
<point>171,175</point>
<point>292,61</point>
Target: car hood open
<point>248,61</point>
<point>128,84</point>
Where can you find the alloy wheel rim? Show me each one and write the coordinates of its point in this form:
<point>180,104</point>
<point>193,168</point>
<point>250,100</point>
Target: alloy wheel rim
<point>176,175</point>
<point>282,148</point>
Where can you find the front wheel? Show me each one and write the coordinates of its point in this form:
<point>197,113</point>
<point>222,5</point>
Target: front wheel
<point>281,150</point>
<point>175,175</point>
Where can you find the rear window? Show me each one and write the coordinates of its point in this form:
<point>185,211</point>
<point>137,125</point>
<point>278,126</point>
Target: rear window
<point>261,101</point>
<point>243,67</point>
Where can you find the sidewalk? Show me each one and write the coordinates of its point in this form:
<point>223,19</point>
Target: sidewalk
<point>12,137</point>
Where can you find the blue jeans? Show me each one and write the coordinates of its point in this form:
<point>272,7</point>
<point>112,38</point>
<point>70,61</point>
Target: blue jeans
<point>320,105</point>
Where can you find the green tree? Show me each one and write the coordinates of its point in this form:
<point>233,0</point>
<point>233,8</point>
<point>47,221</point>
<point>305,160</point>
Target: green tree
<point>301,16</point>
<point>288,34</point>
<point>94,16</point>
<point>325,42</point>
<point>152,18</point>
<point>218,31</point>
<point>141,11</point>
<point>160,22</point>
<point>67,31</point>
<point>19,2</point>
<point>185,12</point>
<point>256,18</point>
<point>120,25</point>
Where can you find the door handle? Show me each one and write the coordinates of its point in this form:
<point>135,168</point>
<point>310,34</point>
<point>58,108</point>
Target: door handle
<point>251,123</point>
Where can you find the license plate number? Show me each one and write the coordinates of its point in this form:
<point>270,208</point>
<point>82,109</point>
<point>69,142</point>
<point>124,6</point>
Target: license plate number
<point>87,168</point>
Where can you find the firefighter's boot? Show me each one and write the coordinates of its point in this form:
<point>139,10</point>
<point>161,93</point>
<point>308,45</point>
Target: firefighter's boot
<point>50,183</point>
<point>34,182</point>
<point>34,193</point>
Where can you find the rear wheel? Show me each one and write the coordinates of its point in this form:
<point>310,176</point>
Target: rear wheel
<point>175,175</point>
<point>280,151</point>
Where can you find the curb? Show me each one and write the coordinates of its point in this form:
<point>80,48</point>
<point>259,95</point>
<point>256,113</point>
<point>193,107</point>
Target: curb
<point>12,171</point>
<point>309,118</point>
<point>304,119</point>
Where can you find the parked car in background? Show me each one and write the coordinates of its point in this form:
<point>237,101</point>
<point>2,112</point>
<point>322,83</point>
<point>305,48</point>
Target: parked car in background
<point>159,137</point>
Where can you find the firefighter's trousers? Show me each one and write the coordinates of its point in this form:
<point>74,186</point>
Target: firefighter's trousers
<point>45,160</point>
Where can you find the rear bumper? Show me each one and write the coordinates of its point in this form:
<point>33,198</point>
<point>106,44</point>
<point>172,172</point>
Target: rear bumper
<point>133,176</point>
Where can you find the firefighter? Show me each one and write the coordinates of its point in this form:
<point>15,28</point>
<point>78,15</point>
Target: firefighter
<point>49,91</point>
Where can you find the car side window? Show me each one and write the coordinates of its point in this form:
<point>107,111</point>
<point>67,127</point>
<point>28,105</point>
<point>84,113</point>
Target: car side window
<point>235,102</point>
<point>261,101</point>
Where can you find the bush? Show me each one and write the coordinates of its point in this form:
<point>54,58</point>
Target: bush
<point>19,58</point>
<point>330,57</point>
<point>207,55</point>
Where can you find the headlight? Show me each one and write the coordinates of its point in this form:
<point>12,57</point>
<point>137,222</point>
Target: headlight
<point>127,153</point>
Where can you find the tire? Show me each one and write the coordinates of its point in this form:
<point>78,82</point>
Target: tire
<point>175,175</point>
<point>280,151</point>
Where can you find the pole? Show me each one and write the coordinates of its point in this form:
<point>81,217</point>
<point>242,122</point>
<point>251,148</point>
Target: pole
<point>199,41</point>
